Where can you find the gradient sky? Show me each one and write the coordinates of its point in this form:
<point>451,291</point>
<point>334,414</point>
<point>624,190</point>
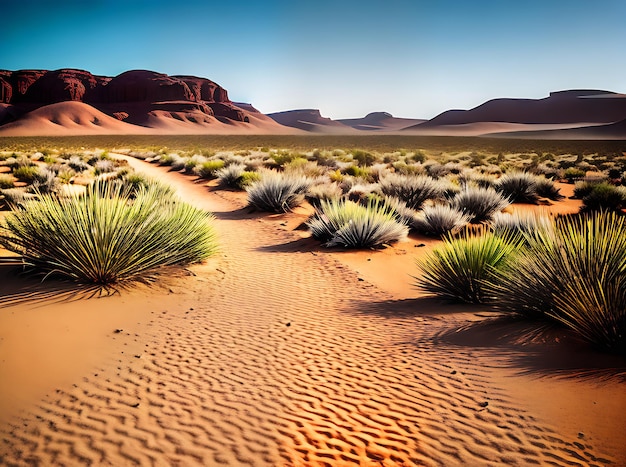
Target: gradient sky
<point>346,58</point>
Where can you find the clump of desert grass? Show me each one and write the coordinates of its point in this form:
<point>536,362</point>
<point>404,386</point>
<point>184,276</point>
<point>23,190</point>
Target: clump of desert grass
<point>440,219</point>
<point>463,268</point>
<point>344,223</point>
<point>575,275</point>
<point>414,190</point>
<point>518,187</point>
<point>480,204</point>
<point>276,192</point>
<point>522,222</point>
<point>106,235</point>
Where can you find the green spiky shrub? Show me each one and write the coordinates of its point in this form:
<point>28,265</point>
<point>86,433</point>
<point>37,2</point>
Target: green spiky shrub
<point>462,268</point>
<point>6,181</point>
<point>27,173</point>
<point>414,190</point>
<point>575,275</point>
<point>545,188</point>
<point>603,196</point>
<point>480,204</point>
<point>518,187</point>
<point>522,222</point>
<point>439,220</point>
<point>229,175</point>
<point>275,192</point>
<point>348,224</point>
<point>208,169</point>
<point>106,236</point>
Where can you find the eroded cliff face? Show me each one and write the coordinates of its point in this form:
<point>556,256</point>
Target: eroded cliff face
<point>133,93</point>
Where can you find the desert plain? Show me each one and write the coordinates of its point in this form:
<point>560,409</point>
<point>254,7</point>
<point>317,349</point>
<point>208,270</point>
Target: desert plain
<point>278,351</point>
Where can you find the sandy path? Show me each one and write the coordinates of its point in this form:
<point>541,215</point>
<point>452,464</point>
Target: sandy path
<point>275,355</point>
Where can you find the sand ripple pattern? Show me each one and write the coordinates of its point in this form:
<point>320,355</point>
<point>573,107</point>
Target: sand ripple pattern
<point>281,359</point>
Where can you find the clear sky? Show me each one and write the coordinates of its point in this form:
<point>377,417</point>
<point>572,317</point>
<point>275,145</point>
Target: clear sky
<point>347,58</point>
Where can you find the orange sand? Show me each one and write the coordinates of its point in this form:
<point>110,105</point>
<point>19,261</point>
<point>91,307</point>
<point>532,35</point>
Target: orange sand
<point>279,353</point>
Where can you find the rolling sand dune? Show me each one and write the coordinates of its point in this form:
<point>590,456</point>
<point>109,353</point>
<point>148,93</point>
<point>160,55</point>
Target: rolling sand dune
<point>278,353</point>
<point>78,118</point>
<point>491,129</point>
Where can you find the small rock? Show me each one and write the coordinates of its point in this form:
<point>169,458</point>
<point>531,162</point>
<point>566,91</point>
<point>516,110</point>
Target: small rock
<point>453,372</point>
<point>288,324</point>
<point>419,245</point>
<point>135,405</point>
<point>117,331</point>
<point>361,279</point>
<point>581,435</point>
<point>484,404</point>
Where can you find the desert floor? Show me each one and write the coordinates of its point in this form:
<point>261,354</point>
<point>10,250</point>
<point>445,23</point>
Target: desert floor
<point>278,352</point>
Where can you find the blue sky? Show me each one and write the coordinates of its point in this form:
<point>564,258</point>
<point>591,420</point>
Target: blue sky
<point>347,58</point>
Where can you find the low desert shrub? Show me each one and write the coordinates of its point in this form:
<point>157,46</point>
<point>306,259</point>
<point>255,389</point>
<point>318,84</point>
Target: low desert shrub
<point>6,181</point>
<point>603,196</point>
<point>363,158</point>
<point>208,169</point>
<point>462,268</point>
<point>440,219</point>
<point>27,173</point>
<point>77,164</point>
<point>106,239</point>
<point>575,275</point>
<point>522,222</point>
<point>545,188</point>
<point>229,175</point>
<point>480,204</point>
<point>572,174</point>
<point>414,190</point>
<point>276,192</point>
<point>351,225</point>
<point>324,191</point>
<point>518,187</point>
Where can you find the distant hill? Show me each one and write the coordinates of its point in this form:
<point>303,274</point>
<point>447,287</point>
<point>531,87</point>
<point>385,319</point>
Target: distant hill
<point>564,111</point>
<point>309,120</point>
<point>380,121</point>
<point>68,101</point>
<point>76,102</point>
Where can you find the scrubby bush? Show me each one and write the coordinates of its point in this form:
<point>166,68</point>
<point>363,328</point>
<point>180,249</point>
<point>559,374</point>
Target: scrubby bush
<point>575,275</point>
<point>323,191</point>
<point>229,175</point>
<point>351,225</point>
<point>104,166</point>
<point>414,190</point>
<point>208,169</point>
<point>6,181</point>
<point>518,187</point>
<point>439,220</point>
<point>106,239</point>
<point>461,268</point>
<point>45,182</point>
<point>276,192</point>
<point>572,174</point>
<point>26,173</point>
<point>522,222</point>
<point>603,196</point>
<point>546,188</point>
<point>480,204</point>
<point>363,158</point>
<point>77,164</point>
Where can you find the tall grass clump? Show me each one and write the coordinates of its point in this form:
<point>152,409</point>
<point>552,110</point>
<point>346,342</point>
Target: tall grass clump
<point>440,219</point>
<point>208,169</point>
<point>480,204</point>
<point>522,222</point>
<point>603,196</point>
<point>546,188</point>
<point>518,187</point>
<point>229,175</point>
<point>575,275</point>
<point>461,269</point>
<point>414,190</point>
<point>276,192</point>
<point>348,224</point>
<point>105,236</point>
